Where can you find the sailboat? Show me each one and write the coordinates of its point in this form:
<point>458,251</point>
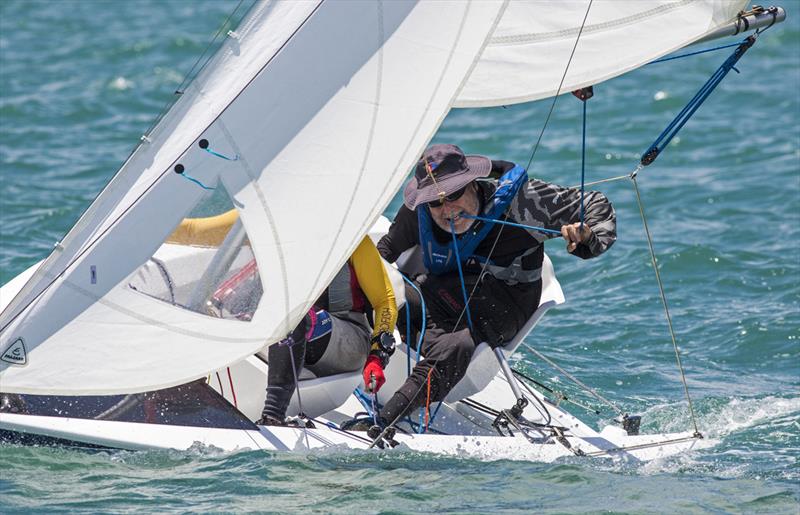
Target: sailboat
<point>146,326</point>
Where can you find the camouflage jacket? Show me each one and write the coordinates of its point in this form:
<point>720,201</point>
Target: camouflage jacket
<point>517,256</point>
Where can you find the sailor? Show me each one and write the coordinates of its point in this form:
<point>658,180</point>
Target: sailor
<point>335,337</point>
<point>501,264</point>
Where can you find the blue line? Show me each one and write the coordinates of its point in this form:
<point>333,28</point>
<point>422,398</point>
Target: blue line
<point>664,59</point>
<point>408,339</point>
<point>583,161</point>
<point>461,276</point>
<point>195,181</point>
<point>421,336</point>
<point>694,104</point>
<point>424,314</point>
<point>236,158</point>
<point>489,220</point>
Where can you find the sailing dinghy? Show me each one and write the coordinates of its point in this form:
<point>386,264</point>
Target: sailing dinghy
<point>136,332</point>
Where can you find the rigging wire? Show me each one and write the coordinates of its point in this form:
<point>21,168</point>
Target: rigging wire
<point>574,379</point>
<point>559,396</point>
<point>560,85</point>
<point>664,302</point>
<point>651,154</point>
<point>583,163</point>
<point>297,389</point>
<point>188,77</point>
<point>664,59</point>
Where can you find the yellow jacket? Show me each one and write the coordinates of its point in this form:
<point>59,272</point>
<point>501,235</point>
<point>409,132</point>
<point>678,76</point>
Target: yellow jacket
<point>366,262</point>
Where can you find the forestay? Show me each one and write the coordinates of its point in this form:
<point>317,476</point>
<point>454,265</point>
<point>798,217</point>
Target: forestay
<point>323,107</point>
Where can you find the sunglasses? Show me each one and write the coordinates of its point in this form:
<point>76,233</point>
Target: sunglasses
<point>449,198</point>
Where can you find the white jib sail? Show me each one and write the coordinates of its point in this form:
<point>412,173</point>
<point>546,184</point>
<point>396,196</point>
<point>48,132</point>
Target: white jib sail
<point>327,104</point>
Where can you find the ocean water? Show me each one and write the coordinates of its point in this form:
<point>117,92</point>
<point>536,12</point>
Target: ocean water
<point>80,81</point>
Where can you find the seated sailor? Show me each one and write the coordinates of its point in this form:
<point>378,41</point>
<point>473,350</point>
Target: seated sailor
<point>494,267</point>
<point>334,337</point>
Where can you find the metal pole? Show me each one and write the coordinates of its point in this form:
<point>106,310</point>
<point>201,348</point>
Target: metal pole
<point>752,21</point>
<point>501,358</point>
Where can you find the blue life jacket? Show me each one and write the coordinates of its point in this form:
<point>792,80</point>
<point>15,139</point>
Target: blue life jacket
<point>439,258</point>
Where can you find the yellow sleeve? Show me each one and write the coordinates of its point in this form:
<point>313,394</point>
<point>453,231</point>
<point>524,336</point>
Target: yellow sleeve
<point>375,284</point>
<point>206,232</point>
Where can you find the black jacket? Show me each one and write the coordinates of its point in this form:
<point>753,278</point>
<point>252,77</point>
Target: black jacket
<point>518,253</point>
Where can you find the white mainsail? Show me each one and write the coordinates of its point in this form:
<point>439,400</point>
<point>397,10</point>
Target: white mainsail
<point>327,104</point>
<point>528,53</point>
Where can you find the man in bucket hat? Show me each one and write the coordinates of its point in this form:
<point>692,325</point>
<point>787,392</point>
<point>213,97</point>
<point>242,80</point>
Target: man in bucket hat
<point>501,264</point>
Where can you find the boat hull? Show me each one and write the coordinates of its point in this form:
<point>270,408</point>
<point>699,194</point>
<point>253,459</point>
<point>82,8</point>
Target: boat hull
<point>142,436</point>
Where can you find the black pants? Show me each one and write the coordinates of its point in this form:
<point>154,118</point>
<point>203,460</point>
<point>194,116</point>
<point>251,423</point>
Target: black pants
<point>498,311</point>
<point>284,363</point>
<point>344,349</point>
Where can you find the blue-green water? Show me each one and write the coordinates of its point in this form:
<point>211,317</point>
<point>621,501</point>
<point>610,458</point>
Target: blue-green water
<point>81,81</point>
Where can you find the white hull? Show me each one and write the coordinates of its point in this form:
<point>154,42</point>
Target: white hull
<point>138,436</point>
<point>459,427</point>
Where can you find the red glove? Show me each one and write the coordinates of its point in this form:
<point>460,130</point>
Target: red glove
<point>373,369</point>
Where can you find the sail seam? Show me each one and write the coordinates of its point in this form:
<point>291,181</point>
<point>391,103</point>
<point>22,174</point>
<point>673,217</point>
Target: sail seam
<point>370,138</point>
<point>267,212</point>
<point>521,39</point>
<point>378,208</point>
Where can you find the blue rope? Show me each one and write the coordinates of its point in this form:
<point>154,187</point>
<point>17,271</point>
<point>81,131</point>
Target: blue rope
<point>583,161</point>
<point>183,174</point>
<point>234,158</point>
<point>420,426</point>
<point>504,222</point>
<point>461,275</point>
<point>664,59</point>
<point>686,113</point>
<point>408,339</point>
<point>424,311</point>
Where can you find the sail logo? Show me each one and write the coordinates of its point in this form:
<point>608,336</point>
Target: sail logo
<point>16,353</point>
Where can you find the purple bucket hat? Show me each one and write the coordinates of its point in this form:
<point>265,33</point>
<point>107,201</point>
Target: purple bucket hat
<point>451,171</point>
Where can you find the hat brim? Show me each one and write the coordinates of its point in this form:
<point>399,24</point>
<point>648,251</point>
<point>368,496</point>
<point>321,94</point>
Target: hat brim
<point>413,197</point>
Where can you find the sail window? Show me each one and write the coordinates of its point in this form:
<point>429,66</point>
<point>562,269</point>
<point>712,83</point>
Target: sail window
<point>206,265</point>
